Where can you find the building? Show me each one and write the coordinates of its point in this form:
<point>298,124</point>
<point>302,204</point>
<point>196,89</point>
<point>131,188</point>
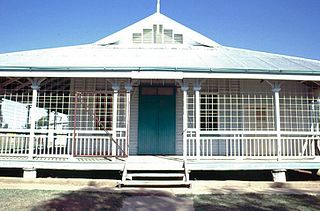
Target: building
<point>162,97</point>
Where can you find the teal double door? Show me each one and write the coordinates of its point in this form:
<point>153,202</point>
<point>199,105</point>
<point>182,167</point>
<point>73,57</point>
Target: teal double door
<point>157,121</point>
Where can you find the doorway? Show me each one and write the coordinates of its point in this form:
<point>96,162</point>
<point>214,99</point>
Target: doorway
<point>157,121</point>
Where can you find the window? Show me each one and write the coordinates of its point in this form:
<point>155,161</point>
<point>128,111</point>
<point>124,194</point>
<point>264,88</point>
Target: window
<point>208,112</point>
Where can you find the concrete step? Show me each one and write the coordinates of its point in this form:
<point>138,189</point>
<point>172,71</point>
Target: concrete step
<point>155,167</point>
<point>154,183</point>
<point>155,175</point>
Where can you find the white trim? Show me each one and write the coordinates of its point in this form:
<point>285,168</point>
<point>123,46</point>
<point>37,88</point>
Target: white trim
<point>156,75</point>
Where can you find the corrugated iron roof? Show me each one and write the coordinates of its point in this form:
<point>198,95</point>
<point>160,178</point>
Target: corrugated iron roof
<point>197,53</point>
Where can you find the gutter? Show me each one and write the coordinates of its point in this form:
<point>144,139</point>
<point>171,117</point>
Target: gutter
<point>162,69</point>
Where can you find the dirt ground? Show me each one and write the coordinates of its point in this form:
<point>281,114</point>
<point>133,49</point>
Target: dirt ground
<point>89,194</point>
<point>149,199</point>
<point>198,187</point>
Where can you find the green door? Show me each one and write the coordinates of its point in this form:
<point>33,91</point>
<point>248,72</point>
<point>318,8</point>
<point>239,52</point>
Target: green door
<point>157,121</point>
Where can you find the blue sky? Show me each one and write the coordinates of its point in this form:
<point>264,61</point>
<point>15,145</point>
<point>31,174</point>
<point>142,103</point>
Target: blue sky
<point>288,27</point>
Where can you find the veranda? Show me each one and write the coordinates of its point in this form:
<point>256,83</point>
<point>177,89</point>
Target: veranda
<point>215,119</point>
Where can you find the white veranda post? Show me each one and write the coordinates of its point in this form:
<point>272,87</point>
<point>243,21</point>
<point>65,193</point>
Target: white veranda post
<point>276,89</point>
<point>35,87</point>
<point>184,89</point>
<point>128,87</point>
<point>197,88</point>
<point>115,87</point>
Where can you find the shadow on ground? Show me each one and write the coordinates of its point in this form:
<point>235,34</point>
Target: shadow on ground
<point>92,198</point>
<point>95,198</point>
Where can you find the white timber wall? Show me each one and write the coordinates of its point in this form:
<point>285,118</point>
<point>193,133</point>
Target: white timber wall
<point>179,122</point>
<point>134,116</point>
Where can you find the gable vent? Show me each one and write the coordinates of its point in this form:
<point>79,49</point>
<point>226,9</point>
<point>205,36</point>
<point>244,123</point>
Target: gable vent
<point>147,35</point>
<point>168,33</point>
<point>137,38</point>
<point>178,39</point>
<point>157,35</point>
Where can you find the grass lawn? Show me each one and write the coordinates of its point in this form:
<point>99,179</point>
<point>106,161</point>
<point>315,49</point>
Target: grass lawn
<point>256,202</point>
<point>104,199</point>
<point>24,199</point>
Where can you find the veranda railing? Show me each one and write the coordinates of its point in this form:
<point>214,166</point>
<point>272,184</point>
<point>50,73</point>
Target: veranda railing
<point>223,144</point>
<point>64,143</point>
<point>252,144</point>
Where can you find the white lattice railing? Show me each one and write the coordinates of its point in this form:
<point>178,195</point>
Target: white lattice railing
<point>53,144</point>
<point>12,144</point>
<point>49,143</point>
<point>300,145</point>
<point>255,145</point>
<point>98,143</point>
<point>92,144</point>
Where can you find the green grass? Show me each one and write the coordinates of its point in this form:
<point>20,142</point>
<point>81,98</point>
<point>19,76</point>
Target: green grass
<point>256,202</point>
<point>59,200</point>
<point>24,199</point>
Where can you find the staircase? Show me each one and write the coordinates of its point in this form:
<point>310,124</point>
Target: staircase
<point>151,174</point>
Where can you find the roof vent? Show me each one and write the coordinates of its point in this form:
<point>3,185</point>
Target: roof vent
<point>137,38</point>
<point>178,39</point>
<point>157,35</point>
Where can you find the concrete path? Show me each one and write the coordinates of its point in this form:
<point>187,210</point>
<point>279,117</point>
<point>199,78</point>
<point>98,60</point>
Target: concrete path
<point>155,203</point>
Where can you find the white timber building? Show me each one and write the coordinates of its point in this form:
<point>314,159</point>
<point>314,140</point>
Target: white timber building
<point>158,90</point>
